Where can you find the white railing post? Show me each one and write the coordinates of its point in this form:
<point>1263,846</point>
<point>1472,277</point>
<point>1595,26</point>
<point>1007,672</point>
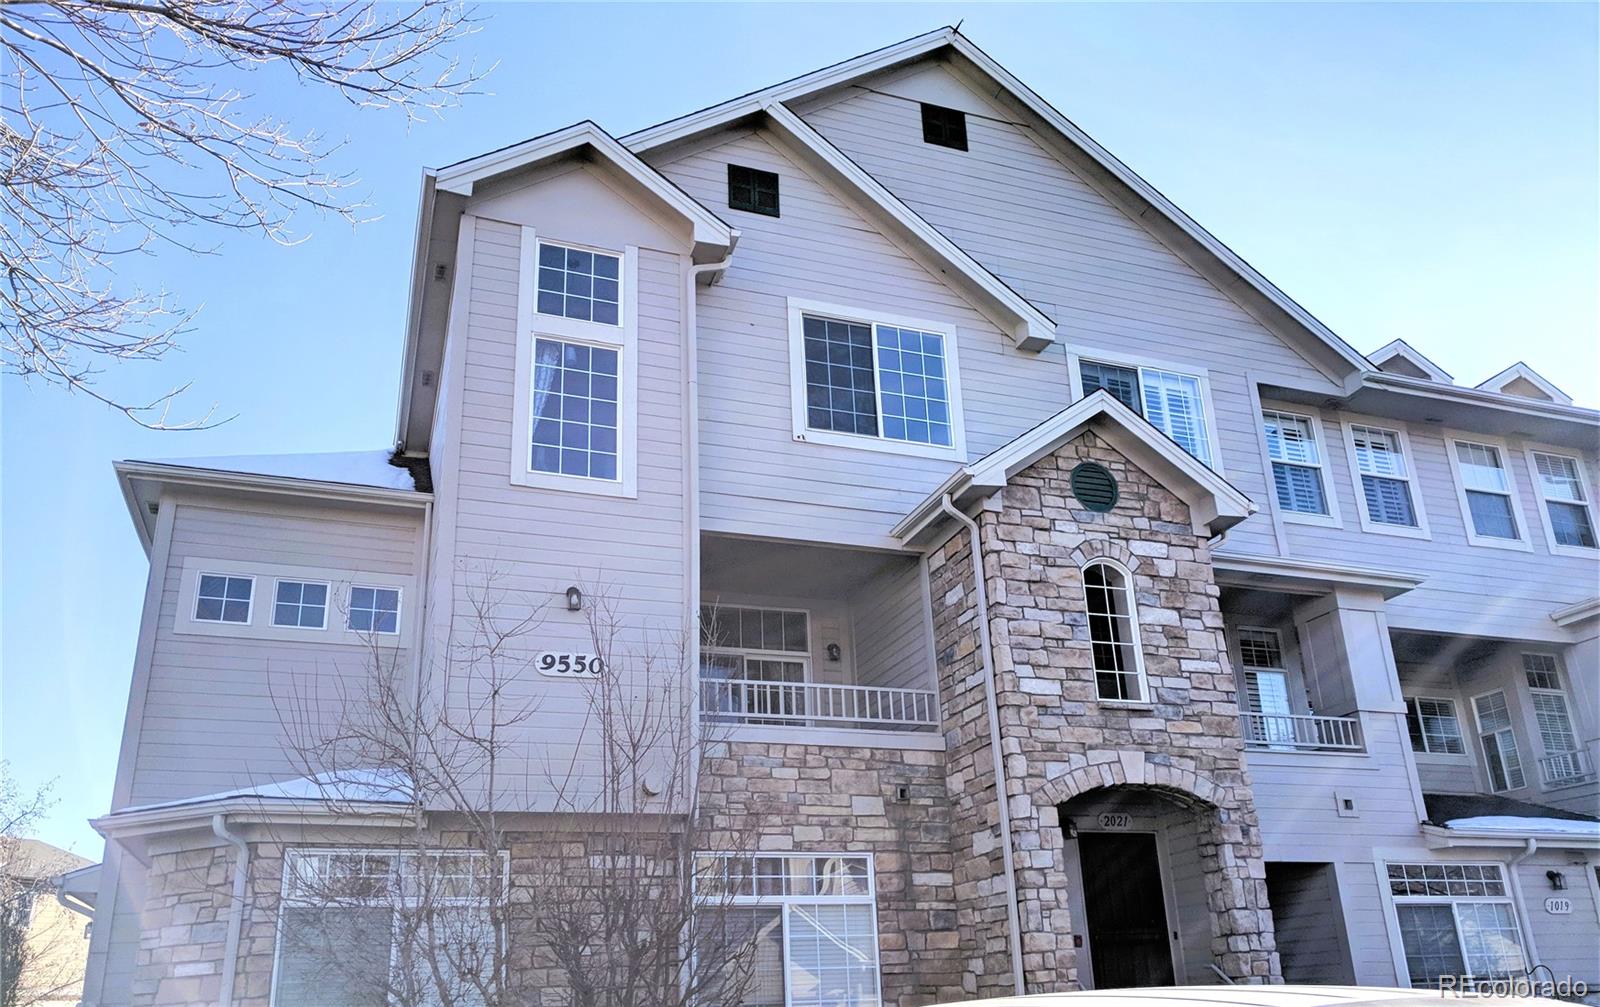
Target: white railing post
<point>733,700</point>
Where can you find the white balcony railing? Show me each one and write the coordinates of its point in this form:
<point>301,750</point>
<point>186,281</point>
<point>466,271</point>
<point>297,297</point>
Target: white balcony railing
<point>1565,769</point>
<point>808,704</point>
<point>1299,733</point>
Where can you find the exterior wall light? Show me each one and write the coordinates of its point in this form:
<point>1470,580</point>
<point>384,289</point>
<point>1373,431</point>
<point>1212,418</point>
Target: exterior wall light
<point>834,652</point>
<point>574,599</point>
<point>1558,881</point>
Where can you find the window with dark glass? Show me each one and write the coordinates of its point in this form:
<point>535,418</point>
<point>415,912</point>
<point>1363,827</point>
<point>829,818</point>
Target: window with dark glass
<point>752,190</point>
<point>944,127</point>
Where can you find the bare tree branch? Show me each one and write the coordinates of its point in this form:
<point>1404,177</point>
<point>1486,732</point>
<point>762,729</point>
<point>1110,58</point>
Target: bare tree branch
<point>121,131</point>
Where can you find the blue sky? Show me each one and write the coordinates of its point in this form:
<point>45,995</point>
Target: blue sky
<point>1425,171</point>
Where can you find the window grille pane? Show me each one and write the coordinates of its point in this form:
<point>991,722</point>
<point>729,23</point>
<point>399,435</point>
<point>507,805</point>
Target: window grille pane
<point>1122,383</point>
<point>745,945</point>
<point>574,408</point>
<point>833,956</point>
<point>1378,452</point>
<point>1570,524</point>
<point>1299,488</point>
<point>334,954</point>
<point>1493,714</point>
<point>944,127</point>
<point>300,605</point>
<point>1111,632</point>
<point>1414,727</point>
<point>1428,934</point>
<point>1172,402</point>
<point>840,387</point>
<point>1558,478</point>
<point>1259,648</point>
<point>1491,515</point>
<point>223,599</point>
<point>575,283</point>
<point>1555,723</point>
<point>911,369</point>
<point>754,629</point>
<point>1541,671</point>
<point>752,190</point>
<point>1388,501</point>
<point>1291,439</point>
<point>1489,939</point>
<point>375,609</point>
<point>1434,723</point>
<point>1481,468</point>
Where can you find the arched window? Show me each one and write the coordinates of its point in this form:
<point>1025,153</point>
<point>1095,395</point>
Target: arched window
<point>1113,632</point>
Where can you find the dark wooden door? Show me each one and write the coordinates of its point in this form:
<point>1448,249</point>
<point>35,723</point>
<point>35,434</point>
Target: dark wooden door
<point>1127,914</point>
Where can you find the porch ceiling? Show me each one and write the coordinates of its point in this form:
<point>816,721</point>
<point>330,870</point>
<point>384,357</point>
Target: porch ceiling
<point>734,566</point>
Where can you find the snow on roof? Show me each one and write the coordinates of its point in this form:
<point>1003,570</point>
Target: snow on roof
<point>348,786</point>
<point>355,468</point>
<point>1524,826</point>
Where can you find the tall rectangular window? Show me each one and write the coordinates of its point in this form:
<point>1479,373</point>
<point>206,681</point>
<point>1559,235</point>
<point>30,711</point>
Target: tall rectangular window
<point>574,409</point>
<point>579,283</point>
<point>1386,482</point>
<point>1487,491</point>
<point>1562,763</point>
<point>891,382</point>
<point>1499,742</point>
<point>752,190</point>
<point>1566,500</point>
<point>1433,726</point>
<point>1172,401</point>
<point>812,919</point>
<point>1266,689</point>
<point>1455,920</point>
<point>222,598</point>
<point>1297,463</point>
<point>944,127</point>
<point>1113,633</point>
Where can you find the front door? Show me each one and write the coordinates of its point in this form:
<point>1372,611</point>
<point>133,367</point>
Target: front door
<point>1127,914</point>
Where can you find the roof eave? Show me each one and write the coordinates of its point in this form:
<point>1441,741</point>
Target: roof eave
<point>179,817</point>
<point>1439,837</point>
<point>1481,397</point>
<point>419,280</point>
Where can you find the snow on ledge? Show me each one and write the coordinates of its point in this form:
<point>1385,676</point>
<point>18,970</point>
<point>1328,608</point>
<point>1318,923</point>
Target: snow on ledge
<point>355,468</point>
<point>347,786</point>
<point>1524,826</point>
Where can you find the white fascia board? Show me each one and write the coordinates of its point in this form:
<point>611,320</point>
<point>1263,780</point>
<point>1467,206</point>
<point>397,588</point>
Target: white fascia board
<point>419,284</point>
<point>1215,505</point>
<point>1439,838</point>
<point>1278,568</point>
<point>1403,349</point>
<point>1480,397</point>
<point>1528,374</point>
<point>708,229</point>
<point>128,824</point>
<point>1577,613</point>
<point>1030,328</point>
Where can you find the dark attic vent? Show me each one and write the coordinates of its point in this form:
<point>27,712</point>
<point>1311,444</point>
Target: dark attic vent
<point>1094,486</point>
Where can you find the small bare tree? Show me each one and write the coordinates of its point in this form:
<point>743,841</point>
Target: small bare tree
<point>41,945</point>
<point>123,129</point>
<point>577,869</point>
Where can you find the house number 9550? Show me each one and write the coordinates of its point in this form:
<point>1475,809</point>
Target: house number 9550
<point>568,664</point>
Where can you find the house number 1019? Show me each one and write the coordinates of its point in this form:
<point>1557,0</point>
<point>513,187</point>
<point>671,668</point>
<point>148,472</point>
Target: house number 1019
<point>568,664</point>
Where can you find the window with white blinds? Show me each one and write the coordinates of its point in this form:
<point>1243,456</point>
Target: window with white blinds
<point>1297,463</point>
<point>1266,687</point>
<point>1499,742</point>
<point>1549,704</point>
<point>1569,520</point>
<point>1171,400</point>
<point>1433,726</point>
<point>1388,494</point>
<point>813,921</point>
<point>1488,496</point>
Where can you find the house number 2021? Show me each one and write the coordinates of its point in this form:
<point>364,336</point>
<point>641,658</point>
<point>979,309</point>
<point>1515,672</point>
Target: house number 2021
<point>568,664</point>
<point>1115,821</point>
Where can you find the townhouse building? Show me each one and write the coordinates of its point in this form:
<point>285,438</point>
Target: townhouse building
<point>1096,613</point>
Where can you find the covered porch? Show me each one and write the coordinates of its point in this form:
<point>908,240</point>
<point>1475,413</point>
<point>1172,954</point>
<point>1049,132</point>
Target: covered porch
<point>801,643</point>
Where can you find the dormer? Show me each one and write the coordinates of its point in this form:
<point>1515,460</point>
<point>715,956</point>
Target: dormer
<point>1524,382</point>
<point>1400,357</point>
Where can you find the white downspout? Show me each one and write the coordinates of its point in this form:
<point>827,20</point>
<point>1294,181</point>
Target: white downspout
<point>1523,909</point>
<point>241,872</point>
<point>985,653</point>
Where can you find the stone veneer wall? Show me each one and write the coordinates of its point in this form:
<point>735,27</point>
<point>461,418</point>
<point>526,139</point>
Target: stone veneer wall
<point>1060,740</point>
<point>842,799</point>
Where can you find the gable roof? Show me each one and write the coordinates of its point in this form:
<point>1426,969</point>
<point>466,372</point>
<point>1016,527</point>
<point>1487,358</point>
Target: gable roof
<point>1214,504</point>
<point>1329,352</point>
<point>1521,370</point>
<point>1405,351</point>
<point>1030,328</point>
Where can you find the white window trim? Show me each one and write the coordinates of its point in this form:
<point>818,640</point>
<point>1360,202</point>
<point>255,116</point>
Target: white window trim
<point>272,615</point>
<point>260,627</point>
<point>1556,548</point>
<point>1524,541</point>
<point>1393,902</point>
<point>399,610</point>
<point>1464,755</point>
<point>798,308</point>
<point>1140,363</point>
<point>192,594</point>
<point>1144,701</point>
<point>1477,735</point>
<point>624,338</point>
<point>1332,519</point>
<point>782,902</point>
<point>1346,421</point>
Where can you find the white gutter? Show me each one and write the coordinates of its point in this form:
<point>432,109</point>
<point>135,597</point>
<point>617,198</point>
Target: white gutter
<point>241,869</point>
<point>1531,950</point>
<point>1002,800</point>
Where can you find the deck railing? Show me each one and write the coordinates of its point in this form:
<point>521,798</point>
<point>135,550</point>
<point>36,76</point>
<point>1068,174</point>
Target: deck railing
<point>1301,733</point>
<point>812,704</point>
<point>1565,769</point>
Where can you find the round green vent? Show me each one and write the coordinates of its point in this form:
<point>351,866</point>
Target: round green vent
<point>1094,486</point>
